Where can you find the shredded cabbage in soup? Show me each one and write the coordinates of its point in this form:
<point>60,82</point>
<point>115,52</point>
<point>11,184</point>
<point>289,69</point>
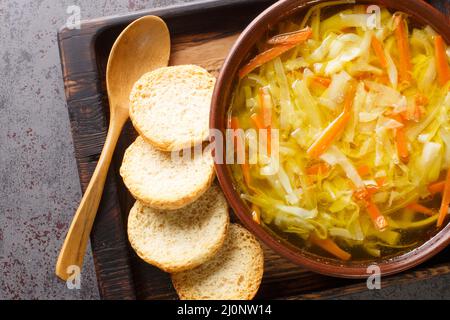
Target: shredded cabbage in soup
<point>363,132</point>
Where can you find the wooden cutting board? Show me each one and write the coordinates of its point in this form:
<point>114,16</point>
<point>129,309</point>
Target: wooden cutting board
<point>201,34</point>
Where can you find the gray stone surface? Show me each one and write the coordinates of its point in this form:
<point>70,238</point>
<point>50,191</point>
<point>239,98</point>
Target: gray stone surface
<point>39,186</point>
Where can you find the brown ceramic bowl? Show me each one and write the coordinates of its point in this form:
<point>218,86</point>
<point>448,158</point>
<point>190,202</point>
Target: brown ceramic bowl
<point>421,13</point>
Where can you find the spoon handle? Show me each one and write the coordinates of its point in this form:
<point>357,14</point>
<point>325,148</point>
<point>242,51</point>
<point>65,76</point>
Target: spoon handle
<point>74,247</point>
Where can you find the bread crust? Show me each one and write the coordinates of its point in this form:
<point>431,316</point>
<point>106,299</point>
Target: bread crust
<point>200,229</point>
<point>222,278</point>
<point>169,107</point>
<point>143,167</point>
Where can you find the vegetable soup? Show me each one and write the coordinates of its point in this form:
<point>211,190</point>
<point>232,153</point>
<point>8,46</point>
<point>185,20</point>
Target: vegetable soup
<point>358,167</point>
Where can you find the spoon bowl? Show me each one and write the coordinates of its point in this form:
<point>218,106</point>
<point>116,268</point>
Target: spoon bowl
<point>143,46</point>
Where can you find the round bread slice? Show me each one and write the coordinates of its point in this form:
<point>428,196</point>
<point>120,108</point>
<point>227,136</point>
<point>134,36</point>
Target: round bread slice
<point>181,239</point>
<point>169,107</point>
<point>234,273</point>
<point>161,181</point>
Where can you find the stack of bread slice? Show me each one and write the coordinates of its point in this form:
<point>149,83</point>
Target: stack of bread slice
<point>180,220</point>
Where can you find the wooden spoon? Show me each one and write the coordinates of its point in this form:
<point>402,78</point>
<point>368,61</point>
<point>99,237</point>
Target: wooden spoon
<point>142,47</point>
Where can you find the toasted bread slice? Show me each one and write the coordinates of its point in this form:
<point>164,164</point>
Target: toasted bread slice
<point>234,273</point>
<point>181,239</point>
<point>169,107</point>
<point>162,182</point>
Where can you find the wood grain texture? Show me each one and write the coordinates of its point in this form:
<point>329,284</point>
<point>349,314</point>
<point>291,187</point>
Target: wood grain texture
<point>201,34</point>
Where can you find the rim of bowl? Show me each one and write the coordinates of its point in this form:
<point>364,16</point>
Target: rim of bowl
<point>421,12</point>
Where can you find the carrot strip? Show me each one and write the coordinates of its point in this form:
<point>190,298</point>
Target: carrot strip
<point>441,60</point>
<point>414,112</point>
<point>404,116</point>
<point>363,170</point>
<point>445,201</point>
<point>283,43</point>
<point>267,117</point>
<point>402,147</point>
<point>260,126</point>
<point>266,104</point>
<point>403,48</point>
<point>420,208</point>
<point>384,79</point>
<point>401,142</point>
<point>240,149</point>
<point>417,112</point>
<point>234,123</point>
<point>263,58</point>
<point>360,193</point>
<point>371,189</point>
<point>421,99</point>
<point>257,121</point>
<point>380,181</point>
<point>364,76</point>
<point>378,49</point>
<point>269,141</point>
<point>330,246</point>
<point>378,219</point>
<point>324,81</point>
<point>319,168</point>
<point>246,173</point>
<point>327,136</point>
<point>349,96</point>
<point>256,214</point>
<point>410,111</point>
<point>365,194</point>
<point>265,101</point>
<point>436,187</point>
<point>295,37</point>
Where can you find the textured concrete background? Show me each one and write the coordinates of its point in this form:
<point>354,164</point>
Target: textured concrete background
<point>39,186</point>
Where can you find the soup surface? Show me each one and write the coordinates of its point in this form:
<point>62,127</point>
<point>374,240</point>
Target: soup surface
<point>349,113</point>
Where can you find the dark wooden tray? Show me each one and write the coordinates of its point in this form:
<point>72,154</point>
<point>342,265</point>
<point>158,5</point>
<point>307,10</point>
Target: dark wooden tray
<point>201,34</point>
